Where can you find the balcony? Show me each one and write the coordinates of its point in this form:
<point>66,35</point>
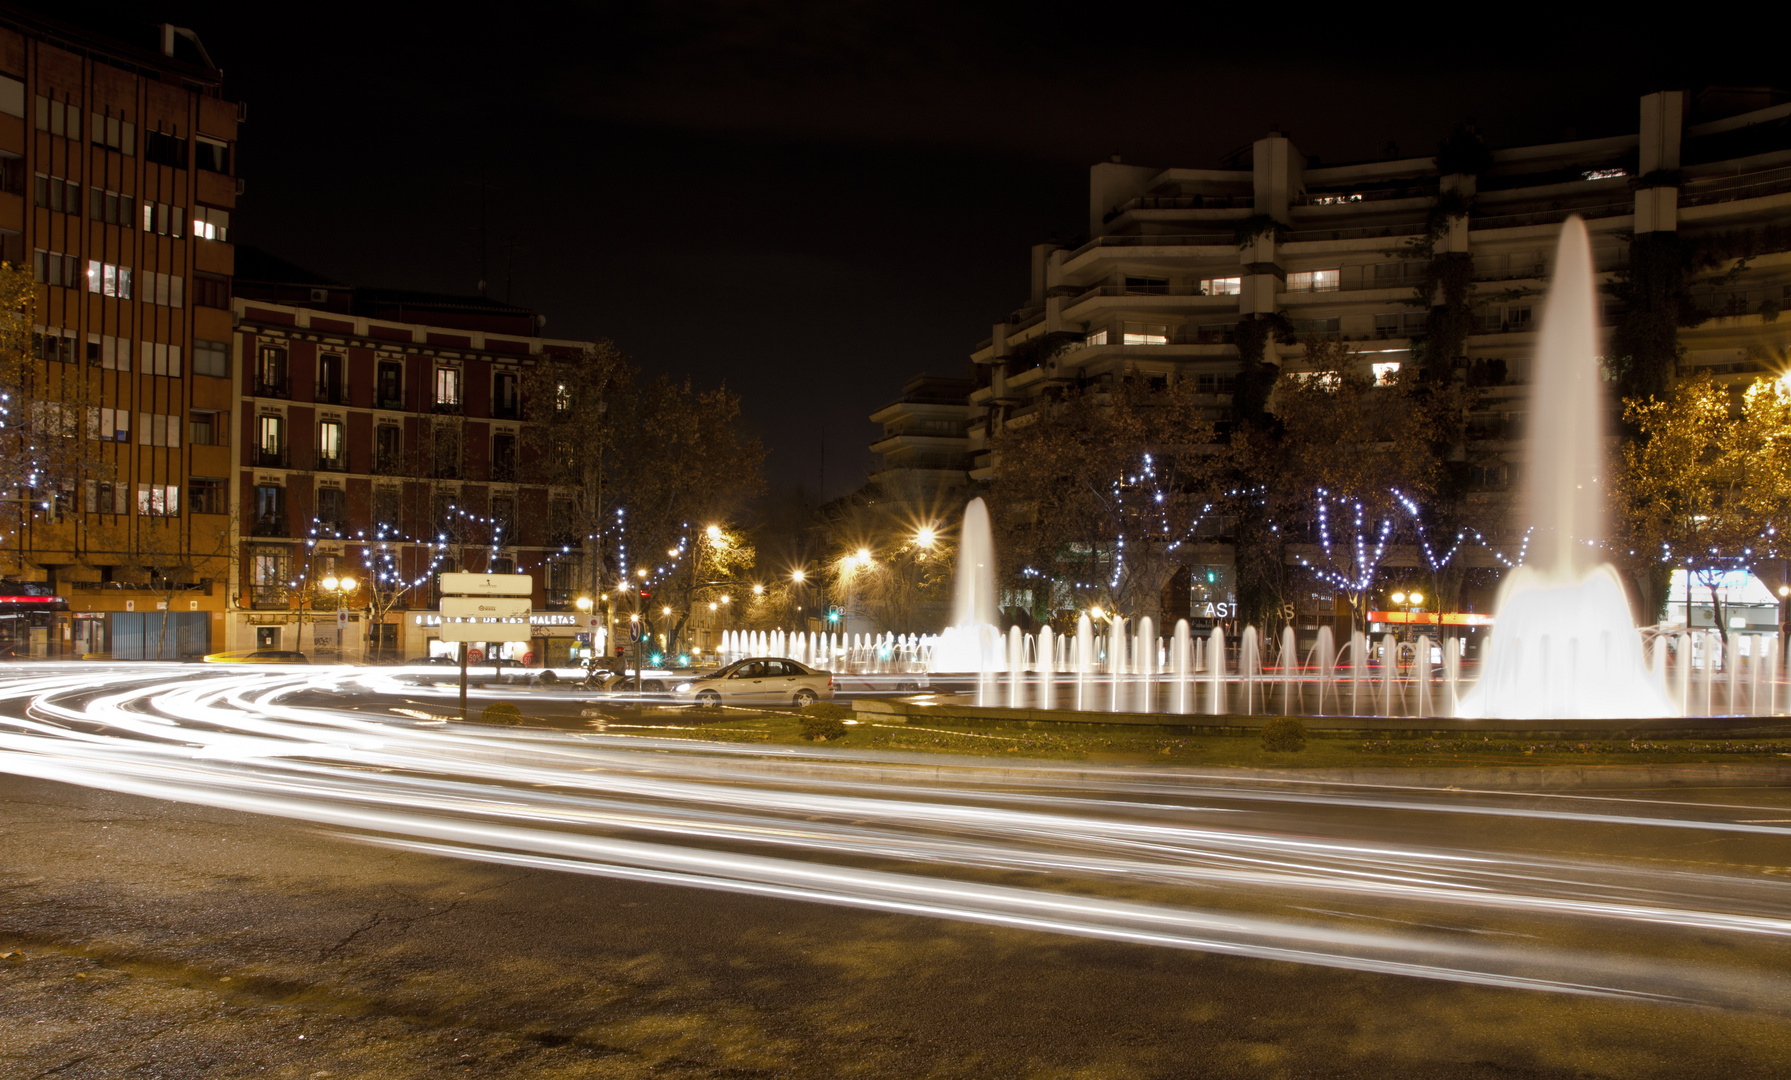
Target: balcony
<point>274,388</point>
<point>329,463</point>
<point>392,400</point>
<point>332,394</point>
<point>269,525</point>
<point>503,471</point>
<point>388,463</point>
<point>271,459</point>
<point>331,524</point>
<point>269,596</point>
<point>446,408</point>
<point>506,411</point>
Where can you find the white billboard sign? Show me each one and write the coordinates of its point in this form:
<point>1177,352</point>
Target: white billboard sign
<point>484,631</point>
<point>487,585</point>
<point>485,607</point>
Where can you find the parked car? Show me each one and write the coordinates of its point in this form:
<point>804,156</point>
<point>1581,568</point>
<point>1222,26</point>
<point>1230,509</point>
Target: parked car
<point>653,683</point>
<point>759,681</point>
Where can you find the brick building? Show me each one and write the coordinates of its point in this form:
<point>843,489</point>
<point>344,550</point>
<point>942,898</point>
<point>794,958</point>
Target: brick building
<point>116,189</point>
<point>382,433</point>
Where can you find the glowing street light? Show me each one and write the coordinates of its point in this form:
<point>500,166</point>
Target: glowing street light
<point>584,603</point>
<point>864,556</point>
<point>714,532</point>
<point>797,576</point>
<point>758,590</point>
<point>925,538</point>
<point>1398,598</point>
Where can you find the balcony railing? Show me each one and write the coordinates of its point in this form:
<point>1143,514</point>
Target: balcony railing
<point>271,459</point>
<point>269,525</point>
<point>506,411</point>
<point>275,388</point>
<point>503,471</point>
<point>269,596</point>
<point>388,463</point>
<point>332,463</point>
<point>446,408</point>
<point>330,524</point>
<point>332,394</point>
<point>389,401</point>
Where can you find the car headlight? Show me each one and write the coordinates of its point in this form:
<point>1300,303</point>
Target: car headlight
<point>684,687</point>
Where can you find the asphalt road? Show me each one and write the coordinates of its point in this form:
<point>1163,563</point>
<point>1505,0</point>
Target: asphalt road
<point>421,899</point>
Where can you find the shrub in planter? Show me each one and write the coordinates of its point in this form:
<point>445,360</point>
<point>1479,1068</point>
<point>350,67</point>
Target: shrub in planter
<point>1284,735</point>
<point>501,712</point>
<point>822,727</point>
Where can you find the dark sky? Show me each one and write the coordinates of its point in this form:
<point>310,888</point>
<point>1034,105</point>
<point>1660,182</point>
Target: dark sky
<point>814,201</point>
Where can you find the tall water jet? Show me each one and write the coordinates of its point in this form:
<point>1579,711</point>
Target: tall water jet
<point>973,640</point>
<point>1563,643</point>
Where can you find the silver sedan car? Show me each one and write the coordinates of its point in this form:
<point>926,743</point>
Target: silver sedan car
<point>759,681</point>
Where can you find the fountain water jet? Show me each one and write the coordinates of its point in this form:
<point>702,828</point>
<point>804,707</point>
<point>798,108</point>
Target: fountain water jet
<point>1563,643</point>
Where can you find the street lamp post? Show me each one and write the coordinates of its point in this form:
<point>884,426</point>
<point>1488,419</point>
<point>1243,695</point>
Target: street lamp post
<point>339,588</point>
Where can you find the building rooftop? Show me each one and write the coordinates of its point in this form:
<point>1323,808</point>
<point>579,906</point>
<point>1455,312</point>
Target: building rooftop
<point>261,275</point>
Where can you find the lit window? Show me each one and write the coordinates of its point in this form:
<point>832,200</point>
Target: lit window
<point>211,223</point>
<point>1099,337</point>
<point>1145,334</point>
<point>1386,373</point>
<point>447,386</point>
<point>1222,286</point>
<point>1313,281</point>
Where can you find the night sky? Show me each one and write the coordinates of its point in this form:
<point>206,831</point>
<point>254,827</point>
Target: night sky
<point>814,201</point>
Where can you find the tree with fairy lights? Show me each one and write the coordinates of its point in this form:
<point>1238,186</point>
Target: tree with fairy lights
<point>1098,495</point>
<point>1706,485</point>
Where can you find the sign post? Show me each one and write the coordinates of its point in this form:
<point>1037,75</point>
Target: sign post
<point>484,607</point>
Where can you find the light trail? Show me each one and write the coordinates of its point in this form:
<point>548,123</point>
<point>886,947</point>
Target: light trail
<point>1181,860</point>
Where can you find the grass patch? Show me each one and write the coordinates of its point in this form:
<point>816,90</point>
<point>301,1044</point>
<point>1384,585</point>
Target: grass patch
<point>1322,749</point>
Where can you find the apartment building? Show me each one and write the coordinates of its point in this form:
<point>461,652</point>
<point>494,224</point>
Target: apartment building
<point>382,441</point>
<point>116,190</point>
<point>1177,257</point>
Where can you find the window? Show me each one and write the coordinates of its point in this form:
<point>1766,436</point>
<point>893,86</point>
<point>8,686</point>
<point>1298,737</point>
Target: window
<point>211,154</point>
<point>391,384</point>
<point>503,457</point>
<point>1314,281</point>
<point>1145,334</point>
<point>504,399</point>
<point>387,510</point>
<point>111,207</point>
<point>160,359</point>
<point>114,133</point>
<point>1147,285</point>
<point>107,498</point>
<point>206,496</point>
<point>114,424</point>
<point>270,371</point>
<point>209,291</point>
<point>12,173</point>
<point>55,418</point>
<point>158,429</point>
<point>207,428</point>
<point>270,505</point>
<point>1216,382</point>
<point>1316,326</point>
<point>1400,324</point>
<point>1386,373</point>
<point>447,386</point>
<point>165,149</point>
<point>211,358</point>
<point>270,569</point>
<point>270,440</point>
<point>55,268</point>
<point>331,388</point>
<point>109,280</point>
<point>163,289</point>
<point>332,506</point>
<point>1222,286</point>
<point>58,118</point>
<point>51,343</point>
<point>162,219</point>
<point>503,520</point>
<point>211,223</point>
<point>562,398</point>
<point>55,193</point>
<point>1099,337</point>
<point>388,448</point>
<point>331,451</point>
<point>158,500</point>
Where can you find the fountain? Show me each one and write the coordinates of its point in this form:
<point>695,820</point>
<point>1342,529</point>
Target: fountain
<point>1563,643</point>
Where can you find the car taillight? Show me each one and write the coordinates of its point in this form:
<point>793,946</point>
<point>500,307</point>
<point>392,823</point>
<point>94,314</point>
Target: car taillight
<point>830,681</point>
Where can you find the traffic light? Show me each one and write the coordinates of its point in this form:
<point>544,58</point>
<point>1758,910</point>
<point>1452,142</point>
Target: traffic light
<point>833,614</point>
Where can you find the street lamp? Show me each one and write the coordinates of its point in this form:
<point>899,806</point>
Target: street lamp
<point>925,537</point>
<point>797,576</point>
<point>339,587</point>
<point>584,603</point>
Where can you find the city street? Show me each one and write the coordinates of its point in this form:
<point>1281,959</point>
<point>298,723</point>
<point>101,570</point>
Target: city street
<point>203,879</point>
